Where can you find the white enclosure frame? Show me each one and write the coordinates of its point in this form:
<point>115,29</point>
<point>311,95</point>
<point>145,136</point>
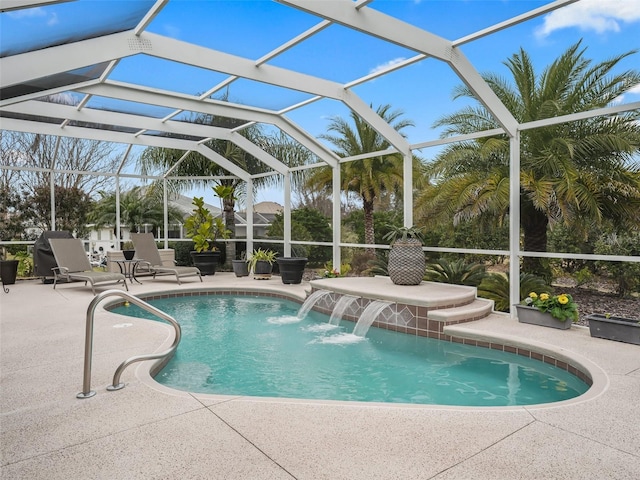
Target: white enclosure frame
<point>26,67</point>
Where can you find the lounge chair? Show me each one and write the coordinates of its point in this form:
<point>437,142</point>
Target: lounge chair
<point>73,264</point>
<point>150,261</point>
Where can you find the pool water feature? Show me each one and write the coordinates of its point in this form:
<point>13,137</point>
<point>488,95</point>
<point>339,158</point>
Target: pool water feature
<point>258,346</point>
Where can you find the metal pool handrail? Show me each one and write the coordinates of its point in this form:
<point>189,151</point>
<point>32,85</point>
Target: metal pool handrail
<point>88,344</point>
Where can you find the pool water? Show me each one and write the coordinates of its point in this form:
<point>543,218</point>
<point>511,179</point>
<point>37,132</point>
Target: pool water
<point>256,346</point>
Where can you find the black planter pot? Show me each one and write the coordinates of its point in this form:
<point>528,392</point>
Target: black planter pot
<point>129,254</point>
<point>240,268</point>
<point>262,270</point>
<point>206,261</point>
<point>291,269</point>
<point>8,271</point>
<point>620,329</point>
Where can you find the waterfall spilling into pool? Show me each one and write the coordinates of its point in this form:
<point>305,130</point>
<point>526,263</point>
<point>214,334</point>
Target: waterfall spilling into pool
<point>255,345</point>
<point>310,302</point>
<point>368,317</point>
<point>341,307</point>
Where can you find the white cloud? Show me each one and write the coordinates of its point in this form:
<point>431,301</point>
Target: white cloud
<point>386,65</point>
<point>50,18</point>
<point>632,91</point>
<point>172,30</point>
<point>597,15</point>
<point>27,12</point>
<point>53,19</point>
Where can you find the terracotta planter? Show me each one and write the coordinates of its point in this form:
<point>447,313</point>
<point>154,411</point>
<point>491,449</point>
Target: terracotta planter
<point>534,316</point>
<point>619,329</point>
<point>292,269</point>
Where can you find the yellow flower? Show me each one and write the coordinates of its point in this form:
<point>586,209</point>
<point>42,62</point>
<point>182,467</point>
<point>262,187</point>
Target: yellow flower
<point>533,295</point>
<point>563,299</point>
<point>544,296</point>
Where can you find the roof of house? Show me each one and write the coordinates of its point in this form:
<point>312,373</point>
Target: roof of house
<point>185,205</point>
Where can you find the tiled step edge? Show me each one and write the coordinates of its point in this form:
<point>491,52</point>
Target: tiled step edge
<point>479,308</point>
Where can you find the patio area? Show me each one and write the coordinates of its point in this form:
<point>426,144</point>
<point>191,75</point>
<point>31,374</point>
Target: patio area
<point>146,431</point>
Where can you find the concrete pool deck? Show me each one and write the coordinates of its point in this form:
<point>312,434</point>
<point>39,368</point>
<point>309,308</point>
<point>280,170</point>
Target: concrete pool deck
<point>145,431</point>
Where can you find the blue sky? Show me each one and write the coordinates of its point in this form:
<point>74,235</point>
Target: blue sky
<point>252,28</point>
<point>422,91</point>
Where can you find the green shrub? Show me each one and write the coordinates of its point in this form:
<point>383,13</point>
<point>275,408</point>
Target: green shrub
<point>583,276</point>
<point>625,274</point>
<point>182,252</point>
<point>25,267</point>
<point>495,286</point>
<point>457,272</point>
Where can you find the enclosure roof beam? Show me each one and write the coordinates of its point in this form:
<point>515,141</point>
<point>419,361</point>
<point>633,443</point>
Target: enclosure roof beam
<point>124,138</point>
<point>388,28</point>
<point>147,123</point>
<point>252,149</point>
<point>25,67</point>
<point>9,5</point>
<point>151,14</point>
<point>190,54</point>
<point>211,107</point>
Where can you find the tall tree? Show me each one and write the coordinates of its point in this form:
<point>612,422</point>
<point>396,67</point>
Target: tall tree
<point>369,179</point>
<point>37,154</point>
<point>72,206</point>
<point>137,207</point>
<point>579,172</point>
<point>194,164</point>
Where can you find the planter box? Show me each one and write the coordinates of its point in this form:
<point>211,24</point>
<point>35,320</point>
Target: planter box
<point>615,328</point>
<point>534,316</point>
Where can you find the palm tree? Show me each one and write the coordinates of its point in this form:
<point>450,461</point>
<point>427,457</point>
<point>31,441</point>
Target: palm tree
<point>580,172</point>
<point>369,178</point>
<point>196,165</point>
<point>137,207</point>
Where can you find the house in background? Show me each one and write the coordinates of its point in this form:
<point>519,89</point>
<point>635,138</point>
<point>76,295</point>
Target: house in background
<point>263,215</point>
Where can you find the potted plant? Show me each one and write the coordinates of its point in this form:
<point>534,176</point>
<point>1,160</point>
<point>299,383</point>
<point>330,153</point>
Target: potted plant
<point>611,327</point>
<point>333,272</point>
<point>406,264</point>
<point>203,229</point>
<point>241,266</point>
<point>555,311</point>
<point>292,269</point>
<point>261,263</point>
<point>128,250</point>
<point>8,270</point>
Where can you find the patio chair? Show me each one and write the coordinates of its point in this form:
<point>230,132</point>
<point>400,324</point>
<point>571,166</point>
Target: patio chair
<point>150,261</point>
<point>74,265</point>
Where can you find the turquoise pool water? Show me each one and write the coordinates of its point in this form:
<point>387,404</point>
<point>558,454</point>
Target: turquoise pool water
<point>256,346</point>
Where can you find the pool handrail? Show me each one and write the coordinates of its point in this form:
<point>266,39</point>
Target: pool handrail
<point>88,345</point>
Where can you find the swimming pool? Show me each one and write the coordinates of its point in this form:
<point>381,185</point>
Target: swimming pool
<point>256,346</point>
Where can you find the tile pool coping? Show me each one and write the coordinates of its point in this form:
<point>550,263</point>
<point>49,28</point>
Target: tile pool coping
<point>580,367</point>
